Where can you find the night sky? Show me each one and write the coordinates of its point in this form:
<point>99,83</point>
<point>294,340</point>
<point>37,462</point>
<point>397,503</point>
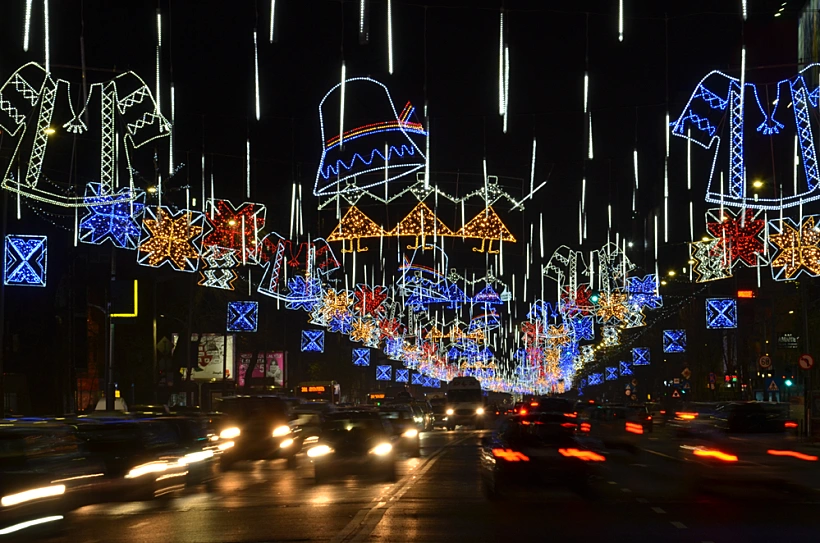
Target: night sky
<point>445,53</point>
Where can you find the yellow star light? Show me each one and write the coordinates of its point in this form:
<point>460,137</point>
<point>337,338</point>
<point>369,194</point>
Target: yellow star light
<point>798,249</point>
<point>557,336</point>
<point>336,303</point>
<point>612,307</point>
<point>171,239</point>
<point>362,330</point>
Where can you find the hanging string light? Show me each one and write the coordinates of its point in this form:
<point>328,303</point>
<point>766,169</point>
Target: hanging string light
<point>342,107</point>
<point>27,26</point>
<point>47,32</point>
<point>501,97</point>
<point>248,167</point>
<point>506,84</point>
<point>390,37</point>
<point>256,72</point>
<point>272,19</point>
<point>621,20</point>
<point>157,93</point>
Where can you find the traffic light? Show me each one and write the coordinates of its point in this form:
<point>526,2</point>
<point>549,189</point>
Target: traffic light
<point>788,382</point>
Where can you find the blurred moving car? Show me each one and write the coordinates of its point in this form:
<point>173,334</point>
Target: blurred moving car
<point>357,442</point>
<point>404,428</point>
<point>536,450</point>
<point>439,412</point>
<point>747,442</point>
<point>640,414</point>
<point>610,426</point>
<point>259,428</point>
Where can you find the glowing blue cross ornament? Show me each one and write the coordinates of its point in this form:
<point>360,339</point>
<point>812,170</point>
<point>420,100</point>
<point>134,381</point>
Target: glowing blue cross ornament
<point>361,357</point>
<point>111,217</point>
<point>674,341</point>
<point>25,261</point>
<point>383,373</point>
<point>402,375</point>
<point>721,313</point>
<point>611,373</point>
<point>595,379</point>
<point>243,316</point>
<point>640,356</point>
<point>625,368</point>
<point>416,379</point>
<point>313,341</point>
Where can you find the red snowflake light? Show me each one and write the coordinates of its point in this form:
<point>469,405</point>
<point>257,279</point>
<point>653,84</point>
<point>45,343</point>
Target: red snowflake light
<point>738,236</point>
<point>235,228</point>
<point>370,301</point>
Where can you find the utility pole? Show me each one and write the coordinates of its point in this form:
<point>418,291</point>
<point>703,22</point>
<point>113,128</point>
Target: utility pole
<point>804,285</point>
<point>109,322</point>
<point>3,310</point>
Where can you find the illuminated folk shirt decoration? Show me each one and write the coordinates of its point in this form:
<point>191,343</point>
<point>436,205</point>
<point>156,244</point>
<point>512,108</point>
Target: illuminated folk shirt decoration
<point>361,357</point>
<point>421,223</point>
<point>721,313</point>
<point>355,225</point>
<point>387,148</point>
<point>486,226</point>
<point>235,228</point>
<point>738,236</point>
<point>718,103</point>
<point>674,341</point>
<point>30,102</point>
<point>798,250</point>
<point>283,259</point>
<point>111,217</point>
<point>423,285</point>
<point>313,341</point>
<point>172,238</point>
<point>243,316</point>
<point>25,260</point>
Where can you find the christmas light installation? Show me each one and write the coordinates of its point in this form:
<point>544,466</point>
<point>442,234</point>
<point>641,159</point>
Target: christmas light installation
<point>281,257</point>
<point>625,369</point>
<point>611,308</point>
<point>717,96</point>
<point>362,330</point>
<point>611,373</point>
<point>30,99</point>
<point>171,238</point>
<point>362,158</point>
<point>341,323</point>
<point>304,293</point>
<point>610,336</point>
<point>738,236</point>
<point>583,328</point>
<point>218,269</point>
<point>243,316</point>
<point>421,223</point>
<point>595,379</point>
<point>416,379</point>
<point>235,228</point>
<point>111,217</point>
<point>674,341</point>
<point>709,262</point>
<point>370,301</point>
<point>335,304</point>
<point>361,357</point>
<point>640,356</point>
<point>313,341</point>
<point>486,226</point>
<point>355,225</point>
<point>721,313</point>
<point>25,261</point>
<point>402,375</point>
<point>797,247</point>
<point>422,285</point>
<point>27,26</point>
<point>384,373</point>
<point>643,292</point>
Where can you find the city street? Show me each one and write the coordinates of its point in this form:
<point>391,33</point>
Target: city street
<point>438,497</point>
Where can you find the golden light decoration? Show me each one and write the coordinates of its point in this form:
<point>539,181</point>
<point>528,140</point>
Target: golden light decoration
<point>611,307</point>
<point>362,330</point>
<point>798,249</point>
<point>335,304</point>
<point>171,239</point>
<point>557,335</point>
<point>486,226</point>
<point>421,223</point>
<point>355,225</point>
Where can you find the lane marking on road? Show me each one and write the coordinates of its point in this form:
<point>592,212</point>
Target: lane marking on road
<point>625,490</point>
<point>660,454</point>
<point>678,524</point>
<point>612,482</point>
<point>658,510</point>
<point>366,520</point>
<point>641,500</point>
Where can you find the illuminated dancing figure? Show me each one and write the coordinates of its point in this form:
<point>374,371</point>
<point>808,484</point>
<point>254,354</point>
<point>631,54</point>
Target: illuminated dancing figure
<point>718,97</point>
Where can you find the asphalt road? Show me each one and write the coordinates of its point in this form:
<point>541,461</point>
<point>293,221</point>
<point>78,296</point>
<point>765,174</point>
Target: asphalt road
<point>438,498</point>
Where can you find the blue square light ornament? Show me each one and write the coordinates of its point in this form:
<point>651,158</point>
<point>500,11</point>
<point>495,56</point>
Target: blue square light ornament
<point>674,341</point>
<point>416,379</point>
<point>595,379</point>
<point>25,261</point>
<point>625,369</point>
<point>313,341</point>
<point>384,373</point>
<point>640,356</point>
<point>721,313</point>
<point>611,373</point>
<point>243,316</point>
<point>402,375</point>
<point>361,357</point>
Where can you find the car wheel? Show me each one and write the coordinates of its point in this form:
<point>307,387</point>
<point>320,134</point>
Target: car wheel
<point>292,462</point>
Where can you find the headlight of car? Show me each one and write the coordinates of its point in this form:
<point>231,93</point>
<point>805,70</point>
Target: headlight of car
<point>449,411</point>
<point>280,431</point>
<point>230,433</point>
<point>286,443</point>
<point>319,450</point>
<point>418,419</point>
<point>479,411</point>
<point>381,449</point>
<point>412,432</point>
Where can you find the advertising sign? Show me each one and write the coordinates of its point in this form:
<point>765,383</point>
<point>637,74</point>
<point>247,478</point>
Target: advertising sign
<point>210,355</point>
<point>270,365</point>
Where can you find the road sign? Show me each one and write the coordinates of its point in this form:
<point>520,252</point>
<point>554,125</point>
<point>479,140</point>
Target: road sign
<point>712,378</point>
<point>675,393</point>
<point>765,362</point>
<point>628,392</point>
<point>686,373</point>
<point>806,361</point>
<point>634,382</point>
<point>773,387</point>
<point>676,380</point>
<point>687,386</point>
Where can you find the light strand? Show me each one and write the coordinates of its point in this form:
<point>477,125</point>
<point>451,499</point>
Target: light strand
<point>256,73</point>
<point>390,37</point>
<point>47,37</point>
<point>27,26</point>
<point>272,19</point>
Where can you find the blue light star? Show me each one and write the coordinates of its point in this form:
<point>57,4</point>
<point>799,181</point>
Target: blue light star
<point>111,221</point>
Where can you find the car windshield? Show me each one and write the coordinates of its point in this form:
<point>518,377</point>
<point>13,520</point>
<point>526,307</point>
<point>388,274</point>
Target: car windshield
<point>339,425</point>
<point>251,408</point>
<point>465,395</point>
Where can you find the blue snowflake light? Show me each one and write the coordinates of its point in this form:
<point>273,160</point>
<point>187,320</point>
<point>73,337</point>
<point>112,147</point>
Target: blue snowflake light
<point>25,261</point>
<point>303,294</point>
<point>383,373</point>
<point>111,217</point>
<point>313,341</point>
<point>402,375</point>
<point>721,313</point>
<point>640,356</point>
<point>674,341</point>
<point>361,357</point>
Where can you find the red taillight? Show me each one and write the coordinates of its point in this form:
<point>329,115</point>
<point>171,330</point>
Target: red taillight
<point>523,411</point>
<point>496,412</point>
<point>715,454</point>
<point>585,427</point>
<point>571,415</point>
<point>586,456</point>
<point>790,424</point>
<point>793,454</point>
<point>686,416</point>
<point>649,417</point>
<point>663,412</point>
<point>568,424</point>
<point>533,404</point>
<point>510,455</point>
<point>634,428</point>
